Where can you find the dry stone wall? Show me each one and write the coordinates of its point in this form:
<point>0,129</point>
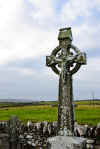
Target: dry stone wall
<point>34,135</point>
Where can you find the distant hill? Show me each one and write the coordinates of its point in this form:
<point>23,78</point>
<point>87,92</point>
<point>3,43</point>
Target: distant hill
<point>15,100</point>
<point>42,102</point>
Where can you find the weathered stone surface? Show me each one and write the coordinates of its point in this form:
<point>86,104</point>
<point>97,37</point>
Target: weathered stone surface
<point>90,144</point>
<point>89,141</point>
<point>81,130</point>
<point>98,125</point>
<point>65,60</point>
<point>40,139</point>
<point>13,125</point>
<point>66,142</point>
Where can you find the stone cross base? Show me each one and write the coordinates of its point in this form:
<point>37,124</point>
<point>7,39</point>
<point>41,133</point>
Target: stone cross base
<point>66,142</point>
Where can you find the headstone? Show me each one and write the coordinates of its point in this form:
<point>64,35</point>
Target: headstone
<point>13,125</point>
<point>65,60</point>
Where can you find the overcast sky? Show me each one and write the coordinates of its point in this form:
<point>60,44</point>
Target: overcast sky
<point>29,31</point>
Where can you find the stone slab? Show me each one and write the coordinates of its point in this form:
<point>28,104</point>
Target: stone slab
<point>66,142</point>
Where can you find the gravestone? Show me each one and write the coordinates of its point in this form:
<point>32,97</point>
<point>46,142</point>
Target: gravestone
<point>13,134</point>
<point>65,60</point>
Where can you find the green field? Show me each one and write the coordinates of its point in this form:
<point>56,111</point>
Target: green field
<point>84,113</point>
<point>87,114</point>
<point>34,113</point>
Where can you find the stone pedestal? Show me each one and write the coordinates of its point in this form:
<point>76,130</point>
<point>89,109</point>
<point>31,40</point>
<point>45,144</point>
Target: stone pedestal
<point>66,142</point>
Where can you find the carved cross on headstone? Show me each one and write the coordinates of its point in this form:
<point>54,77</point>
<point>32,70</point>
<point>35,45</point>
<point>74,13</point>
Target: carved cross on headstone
<point>65,60</point>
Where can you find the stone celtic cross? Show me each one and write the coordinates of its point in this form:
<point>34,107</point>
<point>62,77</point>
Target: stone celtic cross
<point>65,60</point>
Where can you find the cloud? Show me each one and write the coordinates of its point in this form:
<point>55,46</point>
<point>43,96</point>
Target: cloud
<point>21,39</point>
<point>27,84</point>
<point>90,71</point>
<point>72,10</point>
<point>87,80</point>
<point>29,28</point>
<point>41,12</point>
<point>83,17</point>
<point>28,32</point>
<point>10,15</point>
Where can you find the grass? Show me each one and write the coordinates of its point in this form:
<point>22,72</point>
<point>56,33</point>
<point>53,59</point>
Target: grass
<point>88,102</point>
<point>84,113</point>
<point>34,113</point>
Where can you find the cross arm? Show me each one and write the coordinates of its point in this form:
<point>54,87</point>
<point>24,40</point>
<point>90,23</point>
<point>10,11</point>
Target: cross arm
<point>52,59</point>
<point>80,60</point>
<point>51,62</point>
